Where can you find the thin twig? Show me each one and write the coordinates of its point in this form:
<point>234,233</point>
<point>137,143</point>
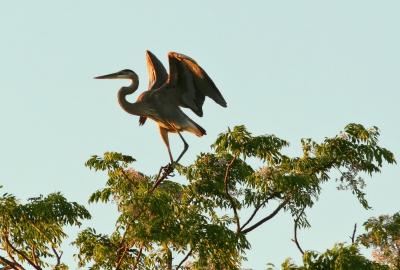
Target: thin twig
<point>296,225</point>
<point>138,257</point>
<point>58,256</point>
<point>34,256</point>
<point>352,237</point>
<point>184,259</point>
<point>124,248</point>
<point>258,207</point>
<point>276,211</point>
<point>226,180</point>
<point>168,255</point>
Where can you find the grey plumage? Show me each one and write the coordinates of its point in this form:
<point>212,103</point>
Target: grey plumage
<point>186,85</point>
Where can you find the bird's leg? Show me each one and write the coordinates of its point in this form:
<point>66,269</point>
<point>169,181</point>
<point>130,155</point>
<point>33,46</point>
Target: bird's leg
<point>185,148</point>
<point>164,136</point>
<point>168,170</point>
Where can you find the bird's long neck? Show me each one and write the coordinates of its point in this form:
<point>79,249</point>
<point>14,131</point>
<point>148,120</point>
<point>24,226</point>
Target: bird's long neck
<point>132,108</point>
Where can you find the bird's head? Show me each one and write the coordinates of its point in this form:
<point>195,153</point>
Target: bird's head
<point>123,74</point>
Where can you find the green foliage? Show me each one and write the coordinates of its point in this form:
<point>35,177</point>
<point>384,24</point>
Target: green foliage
<point>202,218</point>
<point>340,257</point>
<point>152,222</point>
<point>383,235</point>
<point>32,232</point>
<point>241,142</point>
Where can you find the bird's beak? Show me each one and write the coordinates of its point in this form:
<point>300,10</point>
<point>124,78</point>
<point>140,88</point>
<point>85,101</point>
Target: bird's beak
<point>109,76</point>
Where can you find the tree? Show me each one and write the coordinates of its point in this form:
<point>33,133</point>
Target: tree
<point>202,219</point>
<point>383,235</point>
<point>31,233</point>
<point>339,257</point>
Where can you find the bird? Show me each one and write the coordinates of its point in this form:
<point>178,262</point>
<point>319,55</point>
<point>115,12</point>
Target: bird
<point>186,85</point>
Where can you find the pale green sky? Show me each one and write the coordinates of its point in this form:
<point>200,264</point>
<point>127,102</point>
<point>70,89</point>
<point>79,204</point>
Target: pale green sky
<point>290,68</point>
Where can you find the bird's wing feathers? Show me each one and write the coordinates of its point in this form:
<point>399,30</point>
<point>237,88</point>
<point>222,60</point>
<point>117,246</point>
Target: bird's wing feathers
<point>191,84</point>
<point>157,72</point>
<point>157,76</point>
<point>142,120</point>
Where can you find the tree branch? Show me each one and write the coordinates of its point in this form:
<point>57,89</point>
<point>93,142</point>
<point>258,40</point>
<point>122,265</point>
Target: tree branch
<point>10,265</point>
<point>123,246</point>
<point>161,177</point>
<point>21,253</point>
<point>231,200</point>
<point>258,207</point>
<point>252,216</point>
<point>58,256</point>
<point>352,237</point>
<point>276,211</point>
<point>184,259</point>
<point>295,240</point>
<point>34,256</point>
<point>11,255</point>
<point>123,249</point>
<point>168,255</point>
<point>138,257</point>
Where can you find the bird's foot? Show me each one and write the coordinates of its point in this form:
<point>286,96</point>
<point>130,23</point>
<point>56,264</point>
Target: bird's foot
<point>168,170</point>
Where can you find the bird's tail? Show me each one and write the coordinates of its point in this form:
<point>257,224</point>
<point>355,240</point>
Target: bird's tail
<point>197,129</point>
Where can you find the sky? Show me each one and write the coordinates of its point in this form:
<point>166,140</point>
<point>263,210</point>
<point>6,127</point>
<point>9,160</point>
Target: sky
<point>295,69</point>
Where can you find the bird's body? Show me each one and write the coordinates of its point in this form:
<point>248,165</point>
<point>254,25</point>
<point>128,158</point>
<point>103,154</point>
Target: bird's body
<point>170,117</point>
<point>185,86</point>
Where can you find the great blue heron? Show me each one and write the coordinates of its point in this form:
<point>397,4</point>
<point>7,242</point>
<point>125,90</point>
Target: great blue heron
<point>187,85</point>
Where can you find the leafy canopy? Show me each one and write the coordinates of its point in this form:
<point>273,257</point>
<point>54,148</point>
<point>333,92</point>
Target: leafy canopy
<point>202,219</point>
<point>31,233</point>
<point>383,235</point>
<point>201,224</point>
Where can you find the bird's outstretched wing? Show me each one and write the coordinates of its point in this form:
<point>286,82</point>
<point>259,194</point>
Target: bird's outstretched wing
<point>157,72</point>
<point>157,76</point>
<point>190,83</point>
